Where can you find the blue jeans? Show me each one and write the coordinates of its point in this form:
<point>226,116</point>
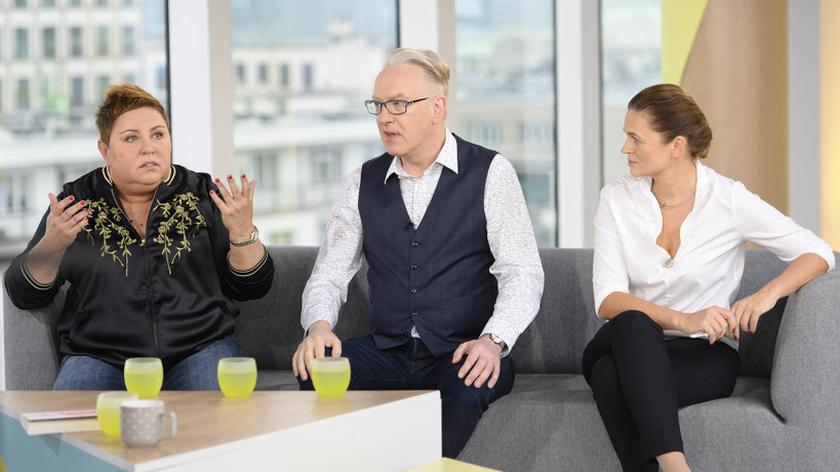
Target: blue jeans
<point>412,367</point>
<point>196,372</point>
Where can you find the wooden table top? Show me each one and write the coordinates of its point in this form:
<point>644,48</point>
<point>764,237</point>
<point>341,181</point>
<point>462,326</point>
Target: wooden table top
<point>207,419</point>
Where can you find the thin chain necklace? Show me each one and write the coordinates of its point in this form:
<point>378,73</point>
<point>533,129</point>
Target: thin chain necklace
<point>667,206</point>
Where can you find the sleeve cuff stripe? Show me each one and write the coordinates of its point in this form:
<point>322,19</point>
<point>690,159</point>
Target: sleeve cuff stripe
<point>34,283</point>
<point>249,272</point>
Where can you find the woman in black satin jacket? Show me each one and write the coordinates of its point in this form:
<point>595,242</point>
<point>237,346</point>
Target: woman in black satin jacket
<point>153,254</point>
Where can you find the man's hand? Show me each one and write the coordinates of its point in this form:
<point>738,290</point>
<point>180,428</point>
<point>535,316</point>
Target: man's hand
<point>483,362</point>
<point>317,340</point>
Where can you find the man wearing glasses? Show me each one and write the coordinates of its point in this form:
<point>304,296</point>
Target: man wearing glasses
<point>454,272</point>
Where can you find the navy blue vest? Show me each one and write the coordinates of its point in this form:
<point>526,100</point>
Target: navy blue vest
<point>436,276</point>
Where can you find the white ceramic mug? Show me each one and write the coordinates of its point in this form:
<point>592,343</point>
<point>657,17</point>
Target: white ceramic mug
<point>141,422</point>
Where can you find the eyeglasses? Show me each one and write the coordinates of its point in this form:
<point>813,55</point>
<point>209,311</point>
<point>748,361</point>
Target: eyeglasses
<point>394,107</point>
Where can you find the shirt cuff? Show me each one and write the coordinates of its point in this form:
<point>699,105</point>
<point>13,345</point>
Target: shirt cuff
<point>318,313</point>
<point>502,329</point>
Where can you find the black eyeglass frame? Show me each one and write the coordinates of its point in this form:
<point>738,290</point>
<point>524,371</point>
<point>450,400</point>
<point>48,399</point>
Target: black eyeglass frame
<point>380,105</point>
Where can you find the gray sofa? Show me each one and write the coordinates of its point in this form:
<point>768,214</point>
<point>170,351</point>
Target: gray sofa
<point>784,414</point>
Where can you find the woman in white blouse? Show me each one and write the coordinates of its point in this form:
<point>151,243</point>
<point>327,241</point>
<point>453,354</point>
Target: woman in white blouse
<point>669,255</point>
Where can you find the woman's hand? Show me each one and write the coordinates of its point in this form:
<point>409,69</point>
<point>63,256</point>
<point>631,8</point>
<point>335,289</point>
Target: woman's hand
<point>64,222</point>
<point>749,309</point>
<point>236,206</point>
<point>714,321</point>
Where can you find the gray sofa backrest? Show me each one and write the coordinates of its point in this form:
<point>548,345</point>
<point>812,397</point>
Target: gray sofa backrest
<point>269,329</point>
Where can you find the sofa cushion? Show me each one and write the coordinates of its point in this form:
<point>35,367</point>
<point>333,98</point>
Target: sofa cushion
<point>560,429</point>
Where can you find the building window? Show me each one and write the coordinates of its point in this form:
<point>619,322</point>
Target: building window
<point>76,46</point>
<point>48,3</point>
<point>130,79</point>
<point>284,76</point>
<point>75,3</point>
<point>101,3</point>
<point>160,78</point>
<point>20,3</point>
<point>240,73</point>
<point>308,77</point>
<point>77,91</point>
<point>102,84</point>
<point>48,41</point>
<point>22,97</point>
<point>102,41</point>
<point>21,43</point>
<point>262,73</point>
<point>128,40</point>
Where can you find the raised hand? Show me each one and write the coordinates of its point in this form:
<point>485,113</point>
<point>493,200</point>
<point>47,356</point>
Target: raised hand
<point>64,222</point>
<point>236,205</point>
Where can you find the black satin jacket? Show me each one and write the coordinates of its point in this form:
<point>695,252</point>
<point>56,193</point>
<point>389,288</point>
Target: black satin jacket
<point>166,296</point>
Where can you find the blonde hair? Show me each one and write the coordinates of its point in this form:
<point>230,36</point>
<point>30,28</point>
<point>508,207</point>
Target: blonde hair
<point>435,67</point>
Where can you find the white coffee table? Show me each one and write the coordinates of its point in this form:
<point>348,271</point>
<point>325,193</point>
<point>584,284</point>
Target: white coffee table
<point>371,431</point>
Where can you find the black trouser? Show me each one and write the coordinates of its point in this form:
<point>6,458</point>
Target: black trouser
<point>411,366</point>
<point>639,380</point>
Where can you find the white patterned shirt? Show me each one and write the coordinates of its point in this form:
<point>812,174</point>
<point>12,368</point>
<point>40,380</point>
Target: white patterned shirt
<point>517,265</point>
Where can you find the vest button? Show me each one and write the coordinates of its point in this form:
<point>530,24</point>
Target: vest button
<point>414,315</point>
<point>413,266</point>
<point>413,290</point>
<point>415,243</point>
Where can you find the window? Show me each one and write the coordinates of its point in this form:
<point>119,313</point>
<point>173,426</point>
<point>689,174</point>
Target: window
<point>262,74</point>
<point>240,74</point>
<point>50,94</point>
<point>77,91</point>
<point>128,40</point>
<point>49,42</point>
<point>102,41</point>
<point>75,41</point>
<point>630,52</point>
<point>101,3</point>
<point>102,84</point>
<point>21,43</point>
<point>22,97</point>
<point>504,94</point>
<point>308,77</point>
<point>281,131</point>
<point>284,76</point>
<point>160,78</point>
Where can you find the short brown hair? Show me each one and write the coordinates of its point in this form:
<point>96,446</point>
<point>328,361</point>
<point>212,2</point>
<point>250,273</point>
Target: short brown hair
<point>120,99</point>
<point>674,113</point>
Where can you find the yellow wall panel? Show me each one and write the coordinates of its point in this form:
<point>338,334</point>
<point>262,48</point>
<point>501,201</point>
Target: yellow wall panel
<point>830,84</point>
<point>680,22</point>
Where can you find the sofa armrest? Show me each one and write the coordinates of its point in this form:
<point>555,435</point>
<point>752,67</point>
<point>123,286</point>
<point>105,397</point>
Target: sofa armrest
<point>806,370</point>
<point>30,345</point>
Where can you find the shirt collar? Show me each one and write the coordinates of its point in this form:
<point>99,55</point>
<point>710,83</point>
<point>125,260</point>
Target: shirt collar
<point>447,157</point>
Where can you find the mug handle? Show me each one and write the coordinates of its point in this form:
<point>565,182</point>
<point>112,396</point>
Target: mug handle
<point>173,420</point>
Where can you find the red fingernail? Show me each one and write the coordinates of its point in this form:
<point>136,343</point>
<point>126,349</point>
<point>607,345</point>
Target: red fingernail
<point>71,198</point>
<point>230,176</point>
<point>217,180</point>
<point>212,192</point>
<point>243,176</point>
<point>83,202</point>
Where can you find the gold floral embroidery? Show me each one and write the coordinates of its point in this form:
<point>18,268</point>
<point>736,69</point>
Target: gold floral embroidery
<point>181,216</point>
<point>106,223</point>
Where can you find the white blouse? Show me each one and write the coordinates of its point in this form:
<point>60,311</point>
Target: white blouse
<point>707,268</point>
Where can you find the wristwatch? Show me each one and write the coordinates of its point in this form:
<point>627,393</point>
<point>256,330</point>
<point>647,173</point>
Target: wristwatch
<point>255,235</point>
<point>496,340</point>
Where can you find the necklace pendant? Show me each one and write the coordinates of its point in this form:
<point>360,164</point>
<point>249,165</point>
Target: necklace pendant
<point>669,263</point>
